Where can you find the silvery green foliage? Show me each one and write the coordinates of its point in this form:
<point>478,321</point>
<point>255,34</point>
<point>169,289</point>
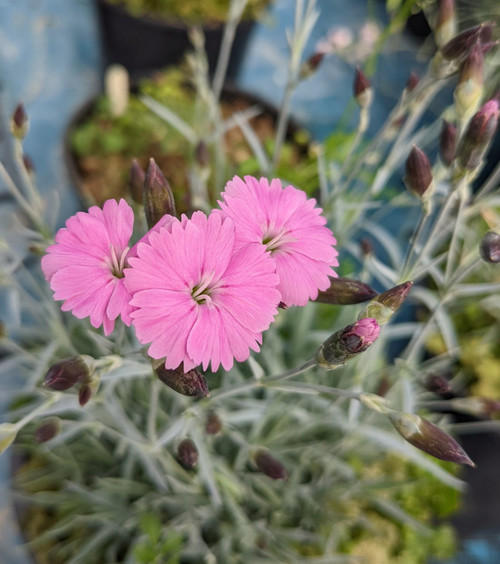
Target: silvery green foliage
<point>114,464</point>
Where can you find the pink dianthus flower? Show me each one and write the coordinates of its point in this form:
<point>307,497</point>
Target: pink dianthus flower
<point>197,299</point>
<point>290,227</point>
<point>85,264</point>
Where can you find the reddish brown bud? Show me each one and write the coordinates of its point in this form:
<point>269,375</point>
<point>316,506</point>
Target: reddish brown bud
<point>84,394</point>
<point>345,291</point>
<point>20,122</point>
<point>412,81</point>
<point>458,47</point>
<point>311,65</point>
<point>213,424</point>
<point>385,305</point>
<point>187,454</point>
<point>136,181</point>
<point>268,465</point>
<point>362,88</point>
<point>429,438</point>
<point>447,143</point>
<point>489,249</point>
<point>48,429</point>
<point>478,136</point>
<point>67,372</point>
<point>202,154</point>
<point>158,196</point>
<point>191,383</point>
<point>418,173</point>
<point>366,246</point>
<point>437,384</point>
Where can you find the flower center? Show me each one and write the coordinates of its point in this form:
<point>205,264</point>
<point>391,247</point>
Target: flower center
<point>118,262</point>
<point>202,292</point>
<point>274,241</point>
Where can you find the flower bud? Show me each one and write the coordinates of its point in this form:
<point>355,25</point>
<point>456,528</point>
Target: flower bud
<point>345,291</point>
<point>48,429</point>
<point>429,438</point>
<point>28,165</point>
<point>136,181</point>
<point>477,136</point>
<point>347,343</point>
<point>191,383</point>
<point>213,424</point>
<point>437,384</point>
<point>385,305</point>
<point>412,81</point>
<point>8,433</point>
<point>458,48</point>
<point>268,465</point>
<point>202,154</point>
<point>363,91</point>
<point>366,246</point>
<point>187,454</point>
<point>477,406</point>
<point>447,143</point>
<point>158,197</point>
<point>447,60</point>
<point>489,248</point>
<point>446,24</point>
<point>418,173</point>
<point>310,66</point>
<point>88,389</point>
<point>469,90</point>
<point>67,372</point>
<point>19,123</point>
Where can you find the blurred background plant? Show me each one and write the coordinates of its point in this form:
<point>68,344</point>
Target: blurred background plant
<point>267,469</point>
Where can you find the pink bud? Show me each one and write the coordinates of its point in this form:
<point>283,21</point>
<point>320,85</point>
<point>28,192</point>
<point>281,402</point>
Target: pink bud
<point>347,343</point>
<point>447,143</point>
<point>158,197</point>
<point>418,173</point>
<point>478,135</point>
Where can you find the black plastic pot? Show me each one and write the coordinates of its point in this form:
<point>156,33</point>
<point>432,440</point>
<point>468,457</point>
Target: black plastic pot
<point>230,94</point>
<point>145,44</point>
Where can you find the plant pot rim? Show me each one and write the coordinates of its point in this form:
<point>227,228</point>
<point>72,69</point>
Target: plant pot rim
<point>162,22</point>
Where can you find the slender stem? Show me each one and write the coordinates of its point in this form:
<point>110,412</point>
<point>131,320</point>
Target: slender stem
<point>247,386</point>
<point>153,411</point>
<point>316,388</point>
<point>284,116</point>
<point>462,193</point>
<point>235,12</point>
<point>40,409</point>
<point>382,137</point>
<point>289,374</point>
<point>433,238</point>
<point>422,221</point>
<point>401,140</point>
<point>364,120</point>
<point>492,183</point>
